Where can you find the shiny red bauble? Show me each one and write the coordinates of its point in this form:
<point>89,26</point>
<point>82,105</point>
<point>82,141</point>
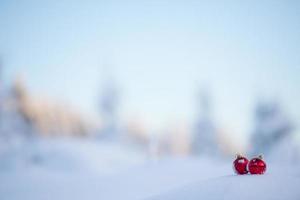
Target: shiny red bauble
<point>240,165</point>
<point>257,166</point>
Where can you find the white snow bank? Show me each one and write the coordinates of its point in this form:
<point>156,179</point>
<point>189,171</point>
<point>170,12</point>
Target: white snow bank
<point>247,187</point>
<point>139,182</point>
<point>63,170</point>
<point>66,155</point>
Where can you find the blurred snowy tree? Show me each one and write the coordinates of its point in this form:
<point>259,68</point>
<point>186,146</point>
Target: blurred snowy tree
<point>14,129</point>
<point>272,129</point>
<point>15,121</point>
<point>204,138</point>
<point>109,104</point>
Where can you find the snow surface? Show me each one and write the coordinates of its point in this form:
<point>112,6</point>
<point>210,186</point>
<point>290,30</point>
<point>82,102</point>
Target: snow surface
<point>63,169</point>
<point>268,186</point>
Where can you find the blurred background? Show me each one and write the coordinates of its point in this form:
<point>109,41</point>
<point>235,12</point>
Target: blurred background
<point>115,83</point>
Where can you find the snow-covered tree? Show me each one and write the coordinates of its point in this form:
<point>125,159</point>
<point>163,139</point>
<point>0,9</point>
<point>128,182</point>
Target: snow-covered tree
<point>109,105</point>
<point>14,128</point>
<point>272,129</point>
<point>14,122</point>
<point>204,137</point>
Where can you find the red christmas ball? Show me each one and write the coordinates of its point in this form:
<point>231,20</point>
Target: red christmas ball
<point>257,166</point>
<point>240,165</point>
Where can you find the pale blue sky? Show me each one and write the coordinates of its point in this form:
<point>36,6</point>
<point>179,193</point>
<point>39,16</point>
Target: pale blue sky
<point>159,52</point>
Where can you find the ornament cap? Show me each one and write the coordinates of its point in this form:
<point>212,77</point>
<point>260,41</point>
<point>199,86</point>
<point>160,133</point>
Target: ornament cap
<point>260,156</point>
<point>238,155</point>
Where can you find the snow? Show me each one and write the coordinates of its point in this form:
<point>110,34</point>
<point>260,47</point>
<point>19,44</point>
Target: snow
<point>87,169</point>
<point>268,186</point>
<point>61,155</point>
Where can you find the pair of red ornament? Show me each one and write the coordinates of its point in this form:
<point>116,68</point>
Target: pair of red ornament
<point>256,165</point>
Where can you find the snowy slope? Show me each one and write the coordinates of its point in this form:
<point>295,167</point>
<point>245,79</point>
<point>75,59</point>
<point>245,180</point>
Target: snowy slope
<point>140,182</point>
<point>66,155</point>
<point>88,170</point>
<point>269,186</point>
